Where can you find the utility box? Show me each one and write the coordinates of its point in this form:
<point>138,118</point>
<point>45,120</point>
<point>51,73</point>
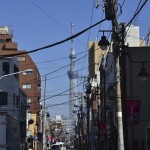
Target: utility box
<point>109,10</point>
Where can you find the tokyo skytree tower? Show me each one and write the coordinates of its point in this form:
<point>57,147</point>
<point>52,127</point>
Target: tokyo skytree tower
<point>73,75</point>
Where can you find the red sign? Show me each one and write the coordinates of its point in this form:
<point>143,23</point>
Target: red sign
<point>133,111</point>
<point>52,139</point>
<point>102,127</point>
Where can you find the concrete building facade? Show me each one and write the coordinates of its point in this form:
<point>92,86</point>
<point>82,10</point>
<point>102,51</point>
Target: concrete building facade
<point>30,83</point>
<point>133,36</point>
<point>12,106</point>
<point>138,96</point>
<point>135,108</point>
<point>95,55</point>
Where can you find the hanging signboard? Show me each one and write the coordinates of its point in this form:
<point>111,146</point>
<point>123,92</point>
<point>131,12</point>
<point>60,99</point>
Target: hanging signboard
<point>133,111</point>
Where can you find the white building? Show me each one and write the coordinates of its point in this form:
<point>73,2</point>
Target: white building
<point>133,36</point>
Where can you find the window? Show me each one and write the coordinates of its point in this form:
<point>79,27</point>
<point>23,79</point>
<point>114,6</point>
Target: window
<point>21,58</point>
<point>111,92</point>
<point>38,99</point>
<point>16,69</point>
<point>28,103</point>
<point>38,88</point>
<point>21,110</point>
<point>26,86</point>
<point>95,76</point>
<point>2,40</point>
<point>16,100</point>
<point>3,98</point>
<point>5,68</point>
<point>29,100</point>
<point>27,73</point>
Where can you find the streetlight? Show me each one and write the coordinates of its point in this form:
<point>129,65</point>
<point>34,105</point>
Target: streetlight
<point>27,71</point>
<point>104,43</point>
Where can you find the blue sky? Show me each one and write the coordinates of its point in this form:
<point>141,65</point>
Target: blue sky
<point>37,23</point>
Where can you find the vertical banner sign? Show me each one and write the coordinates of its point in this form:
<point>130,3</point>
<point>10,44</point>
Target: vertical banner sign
<point>102,127</point>
<point>133,111</point>
<point>49,138</point>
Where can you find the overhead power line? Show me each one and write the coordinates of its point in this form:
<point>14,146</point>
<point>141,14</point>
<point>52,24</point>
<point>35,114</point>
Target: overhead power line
<point>54,44</point>
<point>63,92</point>
<point>137,12</point>
<point>34,80</point>
<point>52,60</point>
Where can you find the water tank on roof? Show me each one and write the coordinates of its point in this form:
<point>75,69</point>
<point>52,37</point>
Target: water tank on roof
<point>4,30</point>
<point>58,119</point>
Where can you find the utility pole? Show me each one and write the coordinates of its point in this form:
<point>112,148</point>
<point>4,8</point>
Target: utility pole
<point>110,13</point>
<point>81,125</point>
<point>119,113</point>
<point>88,141</point>
<point>98,107</point>
<point>44,117</point>
<point>123,84</point>
<point>119,107</point>
<point>88,92</point>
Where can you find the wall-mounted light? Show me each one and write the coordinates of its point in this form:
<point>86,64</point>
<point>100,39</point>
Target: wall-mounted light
<point>143,75</point>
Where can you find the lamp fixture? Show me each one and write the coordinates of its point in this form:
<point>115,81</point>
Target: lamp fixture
<point>74,111</point>
<point>47,115</point>
<point>143,75</point>
<point>75,106</point>
<point>88,89</point>
<point>103,43</point>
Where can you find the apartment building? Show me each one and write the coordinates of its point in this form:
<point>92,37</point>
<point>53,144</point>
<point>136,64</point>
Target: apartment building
<point>95,56</point>
<point>29,82</point>
<point>12,106</point>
